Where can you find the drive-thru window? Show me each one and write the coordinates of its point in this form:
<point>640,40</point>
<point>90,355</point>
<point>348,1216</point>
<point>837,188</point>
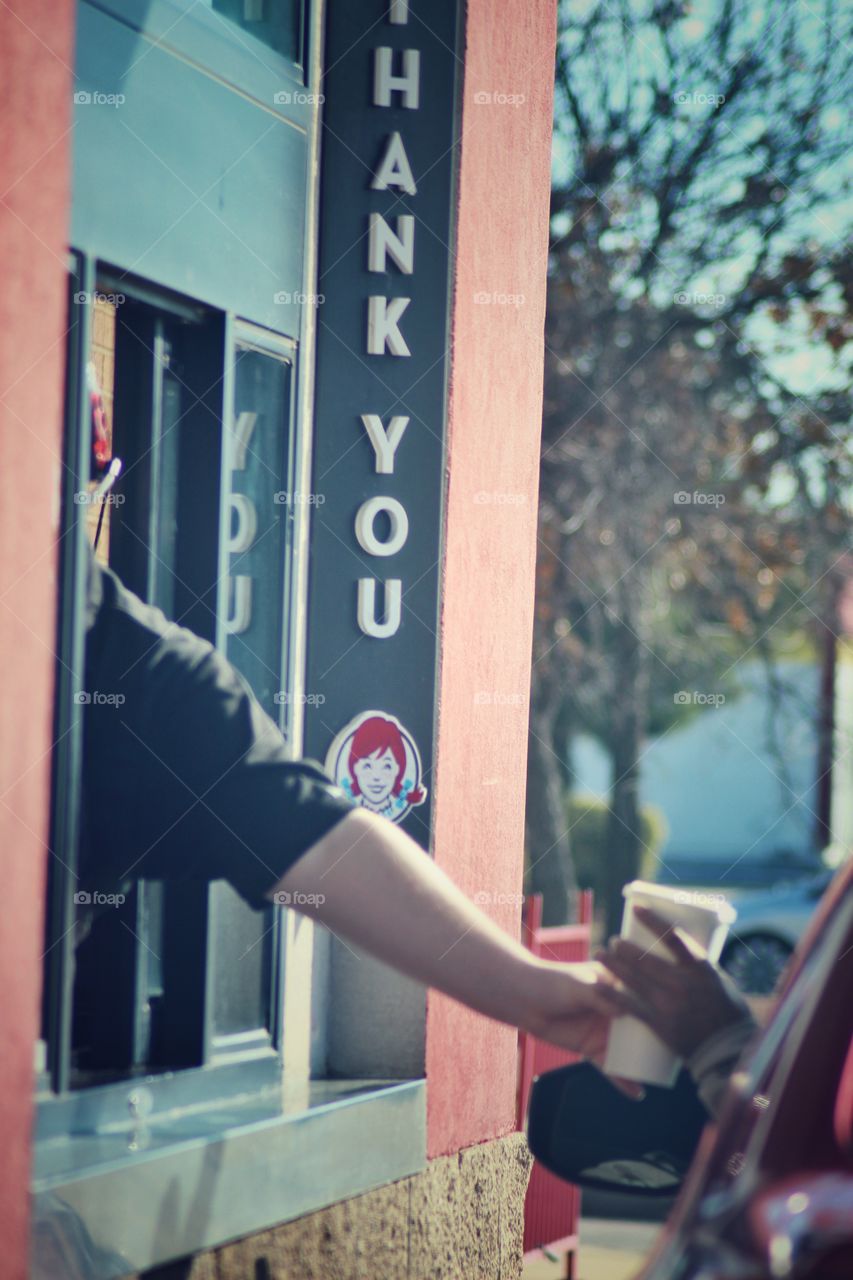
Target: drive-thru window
<point>260,235</point>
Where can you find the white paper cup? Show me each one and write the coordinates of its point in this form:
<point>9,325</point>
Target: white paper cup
<point>633,1050</point>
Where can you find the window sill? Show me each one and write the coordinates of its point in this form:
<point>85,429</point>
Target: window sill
<point>190,1181</point>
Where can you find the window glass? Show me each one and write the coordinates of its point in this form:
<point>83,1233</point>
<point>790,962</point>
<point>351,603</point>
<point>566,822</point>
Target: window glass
<point>260,503</point>
<point>240,977</point>
<point>145,369</point>
<point>100,382</point>
<point>274,22</point>
<point>255,537</point>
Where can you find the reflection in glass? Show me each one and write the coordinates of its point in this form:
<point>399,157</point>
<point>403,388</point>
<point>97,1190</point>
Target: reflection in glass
<point>274,22</point>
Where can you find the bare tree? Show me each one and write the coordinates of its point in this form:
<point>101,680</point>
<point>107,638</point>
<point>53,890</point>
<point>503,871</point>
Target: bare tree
<point>696,463</point>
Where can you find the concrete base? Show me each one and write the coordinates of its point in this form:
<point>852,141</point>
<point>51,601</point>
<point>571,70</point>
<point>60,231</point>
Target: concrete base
<point>461,1219</point>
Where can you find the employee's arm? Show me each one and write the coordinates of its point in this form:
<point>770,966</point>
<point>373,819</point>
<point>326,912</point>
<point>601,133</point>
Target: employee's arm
<point>370,882</point>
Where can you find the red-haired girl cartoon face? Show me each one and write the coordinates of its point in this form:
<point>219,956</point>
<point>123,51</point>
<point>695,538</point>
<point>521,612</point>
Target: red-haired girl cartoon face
<point>377,762</point>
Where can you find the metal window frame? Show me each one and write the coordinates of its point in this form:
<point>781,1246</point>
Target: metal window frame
<point>201,38</point>
<point>68,727</point>
<point>255,1060</point>
<point>237,329</point>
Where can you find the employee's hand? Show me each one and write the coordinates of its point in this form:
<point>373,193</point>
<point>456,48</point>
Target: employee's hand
<point>571,1005</point>
<point>685,1000</point>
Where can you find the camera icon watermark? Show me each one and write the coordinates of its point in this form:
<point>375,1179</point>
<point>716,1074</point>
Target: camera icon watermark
<point>284,699</point>
<point>684,98</point>
<point>683,499</point>
<point>497,98</point>
<point>495,298</point>
<point>695,698</point>
<point>686,299</point>
<point>298,97</point>
<point>492,898</point>
<point>484,498</point>
<point>82,298</point>
<point>297,899</point>
<point>488,698</point>
<point>83,898</point>
<point>697,898</point>
<point>84,499</point>
<point>285,298</point>
<point>296,499</point>
<point>93,98</point>
<point>99,699</point>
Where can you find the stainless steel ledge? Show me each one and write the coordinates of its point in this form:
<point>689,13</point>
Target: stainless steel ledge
<point>131,1199</point>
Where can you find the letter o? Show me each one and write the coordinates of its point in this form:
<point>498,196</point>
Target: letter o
<point>364,522</point>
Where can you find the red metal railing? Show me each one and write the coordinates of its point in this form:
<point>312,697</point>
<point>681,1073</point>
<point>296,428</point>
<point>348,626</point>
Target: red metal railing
<point>552,1207</point>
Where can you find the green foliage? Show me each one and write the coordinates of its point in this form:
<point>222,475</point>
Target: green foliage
<point>587,817</point>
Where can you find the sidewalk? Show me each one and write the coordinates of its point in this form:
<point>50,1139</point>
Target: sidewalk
<point>610,1250</point>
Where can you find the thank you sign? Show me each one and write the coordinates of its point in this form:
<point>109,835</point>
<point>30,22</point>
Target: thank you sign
<point>388,159</point>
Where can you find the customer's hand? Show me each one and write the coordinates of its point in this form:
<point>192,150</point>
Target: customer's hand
<point>685,1000</point>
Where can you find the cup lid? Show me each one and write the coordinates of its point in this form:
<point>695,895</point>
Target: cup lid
<point>696,898</point>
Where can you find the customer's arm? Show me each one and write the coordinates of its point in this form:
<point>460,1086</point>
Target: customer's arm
<point>370,882</point>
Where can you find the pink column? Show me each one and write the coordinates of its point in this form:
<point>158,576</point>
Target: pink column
<point>490,531</point>
<point>36,40</point>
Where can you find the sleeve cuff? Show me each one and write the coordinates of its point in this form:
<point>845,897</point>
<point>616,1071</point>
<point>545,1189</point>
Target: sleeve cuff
<point>712,1064</point>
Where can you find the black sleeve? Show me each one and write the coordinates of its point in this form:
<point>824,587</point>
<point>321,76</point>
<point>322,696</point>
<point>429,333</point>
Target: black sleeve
<point>185,776</point>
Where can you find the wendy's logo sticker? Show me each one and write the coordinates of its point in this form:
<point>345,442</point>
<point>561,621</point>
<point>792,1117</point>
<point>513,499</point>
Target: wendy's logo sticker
<point>376,762</point>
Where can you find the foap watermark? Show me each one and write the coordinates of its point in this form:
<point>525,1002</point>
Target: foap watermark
<point>84,898</point>
<point>685,298</point>
<point>94,98</point>
<point>485,498</point>
<point>85,499</point>
<point>497,98</point>
<point>693,99</point>
<point>298,97</point>
<point>285,699</point>
<point>284,298</point>
<point>695,898</point>
<point>492,898</point>
<point>494,298</point>
<point>97,698</point>
<point>697,499</point>
<point>83,298</point>
<point>486,698</point>
<point>696,698</point>
<point>296,499</point>
<point>297,899</point>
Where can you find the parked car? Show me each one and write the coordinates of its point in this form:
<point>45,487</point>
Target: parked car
<point>770,1192</point>
<point>768,928</point>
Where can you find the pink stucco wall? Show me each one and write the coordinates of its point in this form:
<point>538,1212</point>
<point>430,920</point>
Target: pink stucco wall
<point>35,106</point>
<point>490,531</point>
<point>489,553</point>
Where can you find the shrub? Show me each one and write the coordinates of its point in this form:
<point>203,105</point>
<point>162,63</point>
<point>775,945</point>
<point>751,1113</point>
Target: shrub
<point>587,818</point>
